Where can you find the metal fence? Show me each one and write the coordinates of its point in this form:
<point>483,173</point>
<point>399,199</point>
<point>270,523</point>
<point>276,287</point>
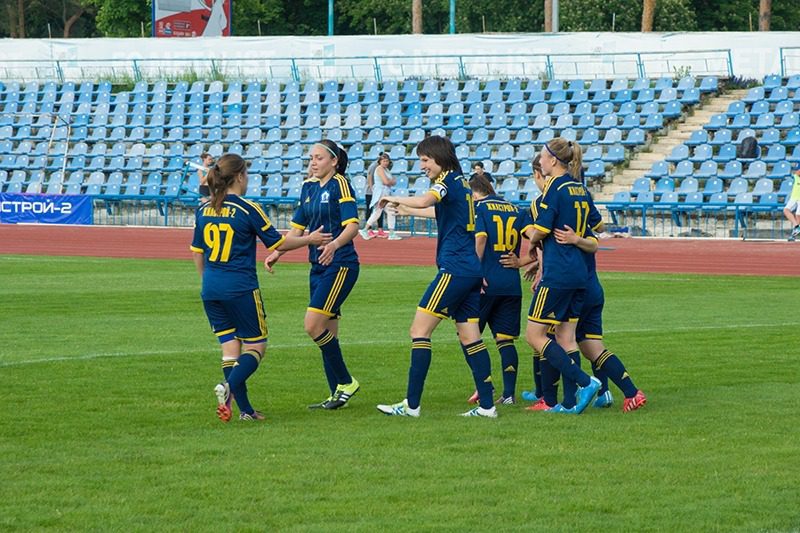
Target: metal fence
<point>716,62</point>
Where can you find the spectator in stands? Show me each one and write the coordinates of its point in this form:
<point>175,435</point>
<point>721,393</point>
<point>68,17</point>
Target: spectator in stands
<point>368,196</point>
<point>792,209</point>
<point>479,170</point>
<point>202,174</point>
<point>383,183</point>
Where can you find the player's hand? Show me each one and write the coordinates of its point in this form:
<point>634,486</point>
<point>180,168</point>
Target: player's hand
<point>566,235</point>
<point>530,270</point>
<point>386,200</point>
<point>318,238</point>
<point>510,260</point>
<point>326,257</point>
<point>270,261</point>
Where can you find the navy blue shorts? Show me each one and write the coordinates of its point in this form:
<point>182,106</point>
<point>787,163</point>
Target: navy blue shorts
<point>554,306</point>
<point>329,287</point>
<point>241,317</point>
<point>502,313</point>
<point>456,297</point>
<point>590,323</point>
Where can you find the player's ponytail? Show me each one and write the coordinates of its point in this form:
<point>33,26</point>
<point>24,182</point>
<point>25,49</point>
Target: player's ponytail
<point>568,154</point>
<point>341,155</point>
<point>221,177</point>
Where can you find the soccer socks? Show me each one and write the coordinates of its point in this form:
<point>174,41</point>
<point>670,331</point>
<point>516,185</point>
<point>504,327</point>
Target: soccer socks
<point>600,374</point>
<point>510,361</point>
<point>570,387</point>
<point>477,357</point>
<point>559,359</point>
<point>329,375</point>
<point>243,369</point>
<point>227,366</point>
<point>549,378</point>
<point>332,356</point>
<point>615,370</point>
<point>537,374</point>
<point>418,371</point>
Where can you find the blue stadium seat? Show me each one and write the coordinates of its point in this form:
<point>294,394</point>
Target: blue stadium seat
<point>756,170</point>
<point>780,170</point>
<point>615,154</point>
<point>679,153</point>
<point>684,169</point>
<point>708,169</point>
<point>697,138</point>
<point>753,95</point>
<point>640,185</point>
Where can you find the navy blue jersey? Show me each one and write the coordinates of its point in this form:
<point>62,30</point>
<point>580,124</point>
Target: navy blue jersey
<point>455,221</point>
<point>502,223</point>
<point>331,206</point>
<point>564,202</point>
<point>227,240</point>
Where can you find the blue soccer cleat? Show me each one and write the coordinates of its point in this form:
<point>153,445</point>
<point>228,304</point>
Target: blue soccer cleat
<point>586,394</point>
<point>558,408</point>
<point>530,396</point>
<point>604,400</point>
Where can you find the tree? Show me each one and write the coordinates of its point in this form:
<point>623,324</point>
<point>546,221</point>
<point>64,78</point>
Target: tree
<point>416,16</point>
<point>764,15</point>
<point>548,16</point>
<point>123,18</point>
<point>648,13</point>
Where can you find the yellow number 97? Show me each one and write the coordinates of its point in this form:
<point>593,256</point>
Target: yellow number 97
<point>213,235</point>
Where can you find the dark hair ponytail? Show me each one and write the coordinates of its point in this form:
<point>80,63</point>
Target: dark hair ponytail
<point>222,175</point>
<point>341,155</point>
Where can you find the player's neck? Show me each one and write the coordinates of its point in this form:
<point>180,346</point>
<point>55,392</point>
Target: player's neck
<point>325,179</point>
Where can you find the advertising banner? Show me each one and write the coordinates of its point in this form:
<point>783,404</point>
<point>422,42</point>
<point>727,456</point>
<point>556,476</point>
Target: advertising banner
<point>45,209</point>
<point>192,18</point>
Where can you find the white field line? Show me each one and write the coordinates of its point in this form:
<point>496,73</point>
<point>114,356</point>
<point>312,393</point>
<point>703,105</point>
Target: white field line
<point>87,357</point>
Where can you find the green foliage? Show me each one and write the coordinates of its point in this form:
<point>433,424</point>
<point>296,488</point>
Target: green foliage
<point>597,15</point>
<point>735,15</point>
<point>674,15</point>
<point>124,18</point>
<point>108,421</point>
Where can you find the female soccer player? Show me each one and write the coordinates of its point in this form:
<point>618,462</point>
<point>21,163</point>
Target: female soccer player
<point>558,297</point>
<point>224,246</point>
<point>498,227</point>
<point>327,200</point>
<point>455,291</point>
<point>384,181</point>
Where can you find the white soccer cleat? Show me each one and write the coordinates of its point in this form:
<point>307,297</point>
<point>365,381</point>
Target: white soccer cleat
<point>398,409</point>
<point>481,412</point>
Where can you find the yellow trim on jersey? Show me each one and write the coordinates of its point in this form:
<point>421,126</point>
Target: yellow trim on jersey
<point>544,321</point>
<point>341,276</point>
<point>566,183</point>
<point>526,228</point>
<point>297,226</point>
<point>429,312</point>
<point>543,205</point>
<point>233,204</point>
<point>261,212</point>
<point>541,298</point>
<point>504,337</point>
<point>196,250</point>
<point>349,221</point>
<point>436,296</point>
<point>224,332</point>
<point>481,234</point>
<point>436,194</point>
<point>343,200</point>
<point>591,238</point>
<point>597,225</point>
<point>473,320</point>
<point>592,336</point>
<point>345,194</point>
<point>547,184</point>
<point>541,228</point>
<point>572,319</point>
<point>274,246</point>
<point>320,311</point>
<point>310,180</point>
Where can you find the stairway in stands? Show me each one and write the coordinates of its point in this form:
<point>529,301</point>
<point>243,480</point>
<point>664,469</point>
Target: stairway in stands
<point>642,161</point>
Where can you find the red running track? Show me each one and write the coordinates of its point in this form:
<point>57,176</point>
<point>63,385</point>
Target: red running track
<point>775,258</point>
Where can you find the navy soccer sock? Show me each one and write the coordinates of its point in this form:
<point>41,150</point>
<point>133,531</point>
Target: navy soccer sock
<point>477,357</point>
<point>510,361</point>
<point>243,369</point>
<point>549,378</point>
<point>227,367</point>
<point>418,371</point>
<point>570,387</point>
<point>613,367</point>
<point>332,354</point>
<point>537,374</point>
<point>600,374</point>
<point>558,358</point>
<point>329,375</point>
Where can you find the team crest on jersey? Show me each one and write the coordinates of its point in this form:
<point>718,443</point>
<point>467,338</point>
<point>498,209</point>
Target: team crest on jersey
<point>325,197</point>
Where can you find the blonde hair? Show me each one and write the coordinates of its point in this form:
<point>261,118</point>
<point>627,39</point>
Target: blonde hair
<point>569,154</point>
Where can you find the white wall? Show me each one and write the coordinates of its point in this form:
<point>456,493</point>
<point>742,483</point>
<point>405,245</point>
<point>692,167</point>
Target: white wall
<point>754,54</point>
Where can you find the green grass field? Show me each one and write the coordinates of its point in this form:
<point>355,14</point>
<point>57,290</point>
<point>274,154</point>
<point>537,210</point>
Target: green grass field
<point>108,414</point>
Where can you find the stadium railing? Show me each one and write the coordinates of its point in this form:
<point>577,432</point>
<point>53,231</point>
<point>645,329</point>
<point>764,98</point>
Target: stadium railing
<point>716,62</point>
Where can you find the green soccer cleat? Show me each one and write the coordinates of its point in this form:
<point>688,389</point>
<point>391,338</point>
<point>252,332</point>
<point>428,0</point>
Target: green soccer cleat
<point>342,395</point>
<point>399,409</point>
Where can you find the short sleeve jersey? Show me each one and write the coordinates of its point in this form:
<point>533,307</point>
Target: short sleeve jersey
<point>455,220</point>
<point>503,224</point>
<point>331,206</point>
<point>795,194</point>
<point>564,202</point>
<point>227,240</point>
